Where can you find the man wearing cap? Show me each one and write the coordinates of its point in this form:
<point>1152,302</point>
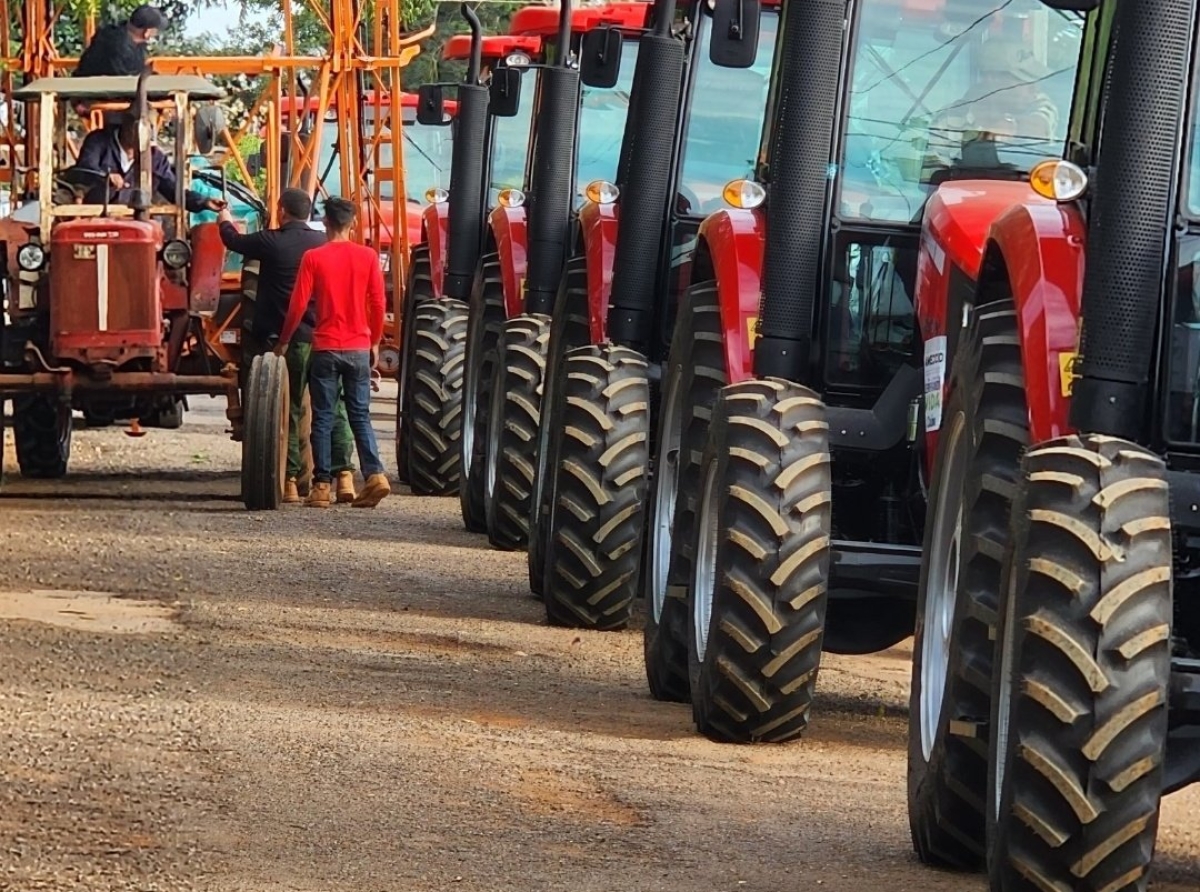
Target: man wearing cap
<point>120,49</point>
<point>1007,104</point>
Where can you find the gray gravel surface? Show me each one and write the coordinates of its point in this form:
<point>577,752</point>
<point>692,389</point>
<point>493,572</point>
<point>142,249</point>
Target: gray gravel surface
<point>370,700</point>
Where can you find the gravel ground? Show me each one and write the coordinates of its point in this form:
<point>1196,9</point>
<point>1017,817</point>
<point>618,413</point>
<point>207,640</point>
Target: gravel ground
<point>194,697</point>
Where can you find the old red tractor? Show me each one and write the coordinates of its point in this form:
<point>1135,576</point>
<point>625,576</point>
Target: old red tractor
<point>119,299</point>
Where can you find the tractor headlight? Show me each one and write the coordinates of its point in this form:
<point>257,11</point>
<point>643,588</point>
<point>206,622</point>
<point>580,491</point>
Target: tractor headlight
<point>31,257</point>
<point>518,60</point>
<point>511,198</point>
<point>436,195</point>
<point>176,254</point>
<point>744,194</point>
<point>602,192</point>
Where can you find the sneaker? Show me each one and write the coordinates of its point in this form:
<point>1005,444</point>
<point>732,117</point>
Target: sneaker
<point>319,496</point>
<point>345,487</point>
<point>291,492</point>
<point>374,491</point>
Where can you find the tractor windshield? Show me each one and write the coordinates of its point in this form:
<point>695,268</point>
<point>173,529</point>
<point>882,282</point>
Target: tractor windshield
<point>427,152</point>
<point>725,119</point>
<point>602,125</point>
<point>958,88</point>
<point>510,143</point>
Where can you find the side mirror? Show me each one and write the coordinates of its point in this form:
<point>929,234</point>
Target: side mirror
<point>600,57</point>
<point>207,128</point>
<point>734,41</point>
<point>431,106</point>
<point>504,95</point>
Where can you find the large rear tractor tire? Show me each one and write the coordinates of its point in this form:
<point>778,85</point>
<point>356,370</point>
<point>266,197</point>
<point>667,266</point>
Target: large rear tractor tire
<point>569,328</point>
<point>983,430</point>
<point>264,440</point>
<point>695,375</point>
<point>483,337</point>
<point>42,434</point>
<point>435,419</point>
<point>598,487</point>
<point>1083,671</point>
<point>420,288</point>
<point>516,391</point>
<point>761,569</point>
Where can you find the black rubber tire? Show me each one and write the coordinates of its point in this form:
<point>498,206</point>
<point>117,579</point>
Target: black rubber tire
<point>420,288</point>
<point>264,441</point>
<point>986,401</point>
<point>696,372</point>
<point>569,328</point>
<point>599,488</point>
<point>487,317</point>
<point>516,392</point>
<point>1084,663</point>
<point>166,419</point>
<point>98,418</point>
<point>42,434</point>
<point>440,338</point>
<point>762,562</point>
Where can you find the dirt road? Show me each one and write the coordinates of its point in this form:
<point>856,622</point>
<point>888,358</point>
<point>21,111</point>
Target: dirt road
<point>192,696</point>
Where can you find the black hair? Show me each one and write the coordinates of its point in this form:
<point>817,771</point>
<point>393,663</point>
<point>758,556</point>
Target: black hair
<point>339,214</point>
<point>296,203</point>
<point>146,17</point>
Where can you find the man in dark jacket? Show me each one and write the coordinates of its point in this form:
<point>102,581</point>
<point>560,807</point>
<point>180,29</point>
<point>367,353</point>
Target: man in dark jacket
<point>113,151</point>
<point>278,252</point>
<point>120,49</point>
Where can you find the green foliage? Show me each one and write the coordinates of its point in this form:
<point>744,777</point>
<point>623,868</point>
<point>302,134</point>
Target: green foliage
<point>247,146</point>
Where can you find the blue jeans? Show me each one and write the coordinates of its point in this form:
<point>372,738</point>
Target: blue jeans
<point>351,371</point>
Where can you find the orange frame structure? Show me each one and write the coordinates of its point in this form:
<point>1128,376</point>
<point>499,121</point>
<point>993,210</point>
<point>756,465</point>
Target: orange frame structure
<point>366,52</point>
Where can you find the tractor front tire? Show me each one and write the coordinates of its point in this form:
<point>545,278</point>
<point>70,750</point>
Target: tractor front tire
<point>420,288</point>
<point>264,440</point>
<point>983,431</point>
<point>435,402</point>
<point>1083,671</point>
<point>42,433</point>
<point>695,375</point>
<point>761,568</point>
<point>598,488</point>
<point>516,391</point>
<point>483,336</point>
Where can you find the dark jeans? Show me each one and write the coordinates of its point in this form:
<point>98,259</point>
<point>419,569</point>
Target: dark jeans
<point>299,363</point>
<point>351,371</point>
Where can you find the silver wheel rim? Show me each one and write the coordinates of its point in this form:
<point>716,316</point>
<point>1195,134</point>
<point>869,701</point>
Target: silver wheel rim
<point>942,589</point>
<point>705,572</point>
<point>470,390</point>
<point>1004,694</point>
<point>666,492</point>
<point>491,459</point>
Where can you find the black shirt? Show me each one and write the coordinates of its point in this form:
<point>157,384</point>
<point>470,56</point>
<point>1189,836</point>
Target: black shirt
<point>112,52</point>
<point>278,252</point>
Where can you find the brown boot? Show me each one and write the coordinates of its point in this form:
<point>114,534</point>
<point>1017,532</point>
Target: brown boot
<point>291,493</point>
<point>374,491</point>
<point>345,487</point>
<point>319,496</point>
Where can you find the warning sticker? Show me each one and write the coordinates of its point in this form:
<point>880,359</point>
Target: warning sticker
<point>935,380</point>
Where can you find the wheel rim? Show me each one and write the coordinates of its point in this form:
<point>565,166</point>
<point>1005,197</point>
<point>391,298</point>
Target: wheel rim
<point>705,573</point>
<point>666,492</point>
<point>494,423</point>
<point>470,391</point>
<point>942,587</point>
<point>1004,693</point>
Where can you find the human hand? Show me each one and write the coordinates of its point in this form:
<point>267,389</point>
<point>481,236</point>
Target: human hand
<point>224,215</point>
<point>116,180</point>
<point>374,356</point>
<point>280,348</point>
<point>216,204</point>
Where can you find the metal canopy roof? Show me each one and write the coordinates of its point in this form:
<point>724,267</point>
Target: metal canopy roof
<point>158,87</point>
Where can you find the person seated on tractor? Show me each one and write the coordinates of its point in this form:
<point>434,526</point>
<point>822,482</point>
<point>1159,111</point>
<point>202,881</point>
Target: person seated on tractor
<point>1005,109</point>
<point>113,151</point>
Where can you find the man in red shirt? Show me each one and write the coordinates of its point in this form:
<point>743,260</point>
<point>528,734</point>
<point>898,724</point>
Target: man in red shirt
<point>345,282</point>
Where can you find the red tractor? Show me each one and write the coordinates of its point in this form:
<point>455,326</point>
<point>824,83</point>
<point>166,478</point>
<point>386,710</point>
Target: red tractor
<point>789,492</point>
<point>702,89</point>
<point>1056,680</point>
<point>576,139</point>
<point>120,301</point>
<point>489,152</point>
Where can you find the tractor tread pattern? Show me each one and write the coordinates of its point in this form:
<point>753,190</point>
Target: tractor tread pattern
<point>439,345</point>
<point>42,435</point>
<point>420,288</point>
<point>264,441</point>
<point>487,314</point>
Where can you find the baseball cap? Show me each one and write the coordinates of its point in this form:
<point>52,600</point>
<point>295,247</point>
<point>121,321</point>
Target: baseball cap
<point>146,16</point>
<point>1002,56</point>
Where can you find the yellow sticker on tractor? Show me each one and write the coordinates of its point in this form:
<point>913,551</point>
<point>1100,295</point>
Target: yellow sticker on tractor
<point>752,330</point>
<point>1066,372</point>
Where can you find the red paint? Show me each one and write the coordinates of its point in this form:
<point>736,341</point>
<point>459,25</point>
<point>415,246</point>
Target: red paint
<point>208,266</point>
<point>508,228</point>
<point>598,225</point>
<point>124,321</point>
<point>735,240</point>
<point>543,20</point>
<point>435,218</point>
<point>1041,243</point>
<point>495,46</point>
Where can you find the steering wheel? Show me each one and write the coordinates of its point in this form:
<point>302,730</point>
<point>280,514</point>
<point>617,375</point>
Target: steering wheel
<point>82,178</point>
